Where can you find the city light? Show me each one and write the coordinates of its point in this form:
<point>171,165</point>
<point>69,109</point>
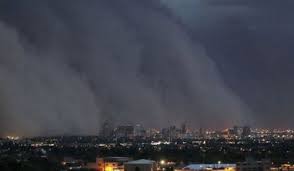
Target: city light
<point>108,168</point>
<point>231,142</point>
<point>13,137</point>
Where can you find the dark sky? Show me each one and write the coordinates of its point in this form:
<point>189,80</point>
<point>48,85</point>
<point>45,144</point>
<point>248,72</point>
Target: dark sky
<point>66,66</point>
<point>251,43</point>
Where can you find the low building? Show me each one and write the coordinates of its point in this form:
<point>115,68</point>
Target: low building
<point>215,167</point>
<point>251,165</point>
<point>69,163</point>
<point>287,167</point>
<point>109,164</point>
<point>140,165</point>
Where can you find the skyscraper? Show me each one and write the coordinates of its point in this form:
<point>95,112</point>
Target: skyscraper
<point>106,130</point>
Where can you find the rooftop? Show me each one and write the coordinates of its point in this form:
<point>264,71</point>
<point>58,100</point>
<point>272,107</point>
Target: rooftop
<point>141,161</point>
<point>203,166</point>
<point>116,159</point>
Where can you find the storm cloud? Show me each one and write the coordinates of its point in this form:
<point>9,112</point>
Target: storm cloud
<point>251,44</point>
<point>66,66</point>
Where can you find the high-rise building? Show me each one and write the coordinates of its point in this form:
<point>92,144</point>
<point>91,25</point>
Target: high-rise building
<point>237,131</point>
<point>152,133</point>
<point>124,131</point>
<point>246,131</point>
<point>106,130</point>
<point>201,133</point>
<point>184,128</point>
<point>139,131</point>
<point>171,133</point>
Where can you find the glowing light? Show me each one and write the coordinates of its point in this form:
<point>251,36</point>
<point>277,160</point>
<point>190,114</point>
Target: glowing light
<point>108,168</point>
<point>12,137</point>
<point>162,162</point>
